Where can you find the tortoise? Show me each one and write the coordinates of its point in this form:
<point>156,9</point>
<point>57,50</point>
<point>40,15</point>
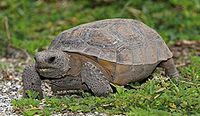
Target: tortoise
<point>96,55</point>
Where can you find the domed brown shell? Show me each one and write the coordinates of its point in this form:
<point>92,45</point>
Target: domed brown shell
<point>123,41</point>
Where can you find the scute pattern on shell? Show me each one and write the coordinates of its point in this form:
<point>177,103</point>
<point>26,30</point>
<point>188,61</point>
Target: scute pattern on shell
<point>124,41</point>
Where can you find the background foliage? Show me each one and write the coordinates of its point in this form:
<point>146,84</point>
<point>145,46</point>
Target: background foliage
<point>32,24</point>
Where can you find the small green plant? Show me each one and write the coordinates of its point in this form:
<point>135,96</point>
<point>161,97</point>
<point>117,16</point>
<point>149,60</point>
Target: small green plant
<point>4,65</point>
<point>32,94</point>
<point>23,104</point>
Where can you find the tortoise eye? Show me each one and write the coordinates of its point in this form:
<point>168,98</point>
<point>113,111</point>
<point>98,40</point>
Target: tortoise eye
<point>51,59</point>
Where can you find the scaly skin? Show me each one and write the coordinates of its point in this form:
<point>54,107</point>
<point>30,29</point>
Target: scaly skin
<point>92,77</point>
<point>95,79</point>
<point>67,83</point>
<point>170,68</point>
<point>32,81</point>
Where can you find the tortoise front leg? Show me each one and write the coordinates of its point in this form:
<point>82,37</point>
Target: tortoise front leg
<point>170,68</point>
<point>31,81</point>
<point>95,79</point>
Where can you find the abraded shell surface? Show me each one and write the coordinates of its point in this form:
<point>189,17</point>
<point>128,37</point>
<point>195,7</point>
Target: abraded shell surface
<point>124,41</point>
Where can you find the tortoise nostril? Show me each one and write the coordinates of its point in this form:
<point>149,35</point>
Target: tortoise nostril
<point>51,59</point>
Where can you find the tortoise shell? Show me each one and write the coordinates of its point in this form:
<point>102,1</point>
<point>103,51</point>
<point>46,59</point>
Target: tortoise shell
<point>123,41</point>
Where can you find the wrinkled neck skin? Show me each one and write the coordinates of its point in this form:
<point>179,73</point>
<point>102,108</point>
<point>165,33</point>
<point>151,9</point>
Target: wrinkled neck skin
<point>75,61</point>
<point>68,83</point>
<point>72,79</point>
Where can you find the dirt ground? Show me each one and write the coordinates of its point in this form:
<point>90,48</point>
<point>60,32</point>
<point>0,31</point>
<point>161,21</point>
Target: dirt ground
<point>182,50</point>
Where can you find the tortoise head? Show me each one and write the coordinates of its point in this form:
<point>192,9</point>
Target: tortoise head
<point>52,63</point>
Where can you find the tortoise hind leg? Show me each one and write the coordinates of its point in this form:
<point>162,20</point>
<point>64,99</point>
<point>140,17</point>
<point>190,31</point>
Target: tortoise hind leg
<point>170,68</point>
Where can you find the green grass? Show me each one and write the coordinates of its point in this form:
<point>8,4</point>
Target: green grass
<point>31,25</point>
<point>158,96</point>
